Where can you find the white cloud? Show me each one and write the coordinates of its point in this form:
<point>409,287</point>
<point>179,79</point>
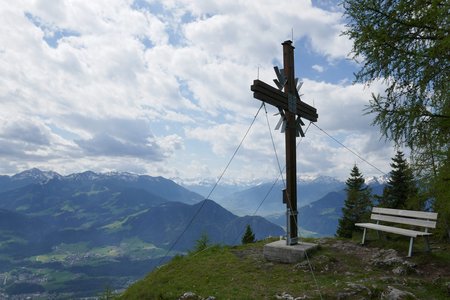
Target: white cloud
<point>318,68</point>
<point>85,85</point>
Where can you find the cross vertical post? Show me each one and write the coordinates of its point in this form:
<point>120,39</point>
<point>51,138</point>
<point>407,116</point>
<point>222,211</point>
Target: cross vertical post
<point>287,99</point>
<point>290,143</point>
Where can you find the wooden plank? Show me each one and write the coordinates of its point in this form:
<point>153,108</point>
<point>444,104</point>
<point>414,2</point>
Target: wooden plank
<point>283,105</point>
<point>303,107</point>
<point>271,95</point>
<point>262,87</point>
<point>270,100</point>
<point>402,220</point>
<point>390,229</point>
<point>406,213</point>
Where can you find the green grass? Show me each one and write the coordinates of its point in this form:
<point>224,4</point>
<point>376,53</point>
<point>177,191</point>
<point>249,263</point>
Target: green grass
<point>242,273</point>
<point>82,254</point>
<point>218,272</point>
<point>118,225</point>
<point>8,238</point>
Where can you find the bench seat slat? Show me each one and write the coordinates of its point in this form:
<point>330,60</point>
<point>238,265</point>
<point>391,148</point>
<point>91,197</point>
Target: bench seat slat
<point>402,220</point>
<point>390,229</point>
<point>406,213</point>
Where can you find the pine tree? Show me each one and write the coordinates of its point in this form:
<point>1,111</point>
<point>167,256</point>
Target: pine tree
<point>249,236</point>
<point>401,191</point>
<point>357,204</point>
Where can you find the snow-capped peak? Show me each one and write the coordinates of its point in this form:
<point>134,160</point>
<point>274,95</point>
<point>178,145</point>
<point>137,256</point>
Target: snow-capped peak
<point>123,175</point>
<point>376,180</point>
<point>87,175</point>
<point>35,174</point>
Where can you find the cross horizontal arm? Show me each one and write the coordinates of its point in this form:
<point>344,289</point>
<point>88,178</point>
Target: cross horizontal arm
<point>264,92</point>
<point>271,91</point>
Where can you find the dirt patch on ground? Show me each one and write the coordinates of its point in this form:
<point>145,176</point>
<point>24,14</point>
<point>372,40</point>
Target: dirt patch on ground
<point>386,258</point>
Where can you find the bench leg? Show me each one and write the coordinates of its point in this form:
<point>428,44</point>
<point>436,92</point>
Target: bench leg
<point>364,236</point>
<point>411,241</point>
<point>427,244</point>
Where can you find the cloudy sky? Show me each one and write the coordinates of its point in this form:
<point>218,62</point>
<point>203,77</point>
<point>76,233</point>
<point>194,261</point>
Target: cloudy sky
<point>163,88</point>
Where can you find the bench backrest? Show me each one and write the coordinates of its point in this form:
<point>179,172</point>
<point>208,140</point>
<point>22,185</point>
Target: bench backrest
<point>408,217</point>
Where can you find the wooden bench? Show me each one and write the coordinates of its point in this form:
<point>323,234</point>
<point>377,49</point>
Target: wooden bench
<point>422,219</point>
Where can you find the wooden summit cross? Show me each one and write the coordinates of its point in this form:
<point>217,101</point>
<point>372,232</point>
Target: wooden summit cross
<point>291,110</point>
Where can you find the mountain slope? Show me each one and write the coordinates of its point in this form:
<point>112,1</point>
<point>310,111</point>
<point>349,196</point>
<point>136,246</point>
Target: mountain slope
<point>319,218</point>
<point>16,226</point>
<point>66,203</point>
<point>163,224</point>
<point>158,186</point>
<point>322,216</point>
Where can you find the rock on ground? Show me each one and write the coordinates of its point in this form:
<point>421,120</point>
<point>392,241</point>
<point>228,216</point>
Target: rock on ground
<point>193,296</point>
<point>286,296</point>
<point>393,293</point>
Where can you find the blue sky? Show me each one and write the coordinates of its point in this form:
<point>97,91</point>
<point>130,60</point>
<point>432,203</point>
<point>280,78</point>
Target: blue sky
<point>163,88</point>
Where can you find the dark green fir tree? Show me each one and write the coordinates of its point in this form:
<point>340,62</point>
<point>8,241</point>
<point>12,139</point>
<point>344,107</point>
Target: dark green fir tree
<point>357,204</point>
<point>401,190</point>
<point>249,236</point>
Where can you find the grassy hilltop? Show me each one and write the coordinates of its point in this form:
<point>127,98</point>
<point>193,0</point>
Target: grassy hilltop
<point>342,270</point>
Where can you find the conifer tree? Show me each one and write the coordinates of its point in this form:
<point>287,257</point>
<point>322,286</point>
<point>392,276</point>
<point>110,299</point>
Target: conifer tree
<point>357,204</point>
<point>249,236</point>
<point>401,191</point>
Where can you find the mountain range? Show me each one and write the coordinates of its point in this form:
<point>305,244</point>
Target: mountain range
<point>72,236</point>
<point>96,230</point>
<point>266,198</point>
<point>320,200</point>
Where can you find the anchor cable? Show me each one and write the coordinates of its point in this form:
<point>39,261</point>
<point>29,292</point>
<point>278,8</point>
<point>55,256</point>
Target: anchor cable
<point>284,183</point>
<point>212,189</point>
<point>352,151</point>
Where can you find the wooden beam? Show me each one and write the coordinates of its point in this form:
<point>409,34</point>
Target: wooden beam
<point>264,92</point>
<point>261,86</point>
<point>290,142</point>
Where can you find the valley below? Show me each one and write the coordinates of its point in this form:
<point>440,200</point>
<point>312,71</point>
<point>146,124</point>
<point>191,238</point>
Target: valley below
<point>81,235</point>
<point>77,236</point>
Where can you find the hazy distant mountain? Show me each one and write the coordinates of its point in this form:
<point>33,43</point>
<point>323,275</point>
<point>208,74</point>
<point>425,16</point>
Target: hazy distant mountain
<point>222,190</point>
<point>247,201</point>
<point>320,218</point>
<point>157,186</point>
